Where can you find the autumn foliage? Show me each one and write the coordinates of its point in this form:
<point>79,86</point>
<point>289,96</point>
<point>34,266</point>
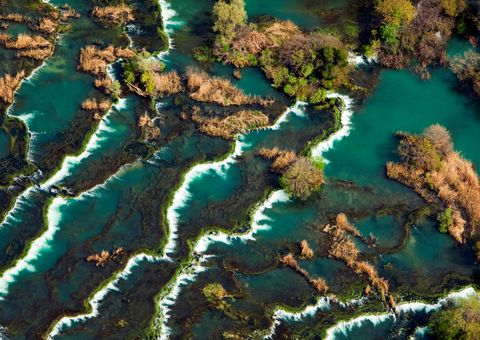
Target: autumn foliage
<point>116,14</point>
<point>442,177</point>
<point>104,257</point>
<point>300,175</point>
<point>319,284</point>
<point>343,248</point>
<point>204,88</point>
<point>8,85</point>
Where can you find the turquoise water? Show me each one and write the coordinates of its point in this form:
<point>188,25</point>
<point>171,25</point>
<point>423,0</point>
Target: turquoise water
<point>122,199</point>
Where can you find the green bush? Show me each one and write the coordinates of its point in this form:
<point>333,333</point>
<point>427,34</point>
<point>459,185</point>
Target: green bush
<point>445,219</point>
<point>458,321</point>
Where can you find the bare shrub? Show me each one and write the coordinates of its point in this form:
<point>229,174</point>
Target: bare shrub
<point>8,85</point>
<point>204,88</point>
<point>230,126</point>
<point>306,253</point>
<point>117,14</point>
<point>167,83</point>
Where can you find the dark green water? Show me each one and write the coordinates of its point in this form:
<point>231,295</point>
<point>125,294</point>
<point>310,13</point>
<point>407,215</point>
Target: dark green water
<point>140,204</point>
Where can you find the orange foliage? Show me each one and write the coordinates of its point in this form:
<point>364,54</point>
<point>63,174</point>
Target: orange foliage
<point>204,88</point>
<point>8,85</point>
<point>117,14</point>
<point>306,252</point>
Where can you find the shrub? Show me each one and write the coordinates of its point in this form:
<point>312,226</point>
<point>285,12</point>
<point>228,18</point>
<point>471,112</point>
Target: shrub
<point>445,220</point>
<point>8,85</point>
<point>461,320</point>
<point>117,14</point>
<point>396,12</point>
<point>214,292</point>
<point>302,178</point>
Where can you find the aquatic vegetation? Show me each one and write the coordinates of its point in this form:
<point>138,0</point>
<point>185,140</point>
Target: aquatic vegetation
<point>300,176</point>
<point>306,253</point>
<point>95,60</point>
<point>442,177</point>
<point>458,320</point>
<point>409,34</point>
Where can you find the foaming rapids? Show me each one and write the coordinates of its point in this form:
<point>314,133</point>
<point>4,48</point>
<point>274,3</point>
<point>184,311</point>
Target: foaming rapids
<point>182,195</point>
<point>169,24</point>
<point>105,127</point>
<point>259,222</point>
<point>189,273</point>
<point>345,327</point>
<point>346,121</point>
<point>322,304</point>
<point>21,203</point>
<point>35,250</point>
<point>97,298</point>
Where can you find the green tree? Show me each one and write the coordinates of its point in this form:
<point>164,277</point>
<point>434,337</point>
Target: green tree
<point>459,321</point>
<point>227,15</point>
<point>396,12</point>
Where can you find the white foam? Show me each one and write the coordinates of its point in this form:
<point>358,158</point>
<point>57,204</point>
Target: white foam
<point>187,275</point>
<point>35,249</point>
<point>297,109</point>
<point>182,195</point>
<point>95,301</point>
<point>323,304</point>
<point>259,222</point>
<point>101,133</point>
<point>170,24</point>
<point>21,202</point>
<point>345,327</point>
<point>346,121</point>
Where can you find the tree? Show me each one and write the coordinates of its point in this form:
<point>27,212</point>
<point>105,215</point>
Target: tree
<point>454,7</point>
<point>227,15</point>
<point>302,178</point>
<point>440,137</point>
<point>396,12</point>
<point>459,321</point>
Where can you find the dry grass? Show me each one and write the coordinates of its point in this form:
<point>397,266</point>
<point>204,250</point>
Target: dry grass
<point>282,159</point>
<point>25,41</point>
<point>306,253</point>
<point>45,25</point>
<point>344,249</point>
<point>318,284</point>
<point>454,183</point>
<point>103,83</point>
<point>116,14</point>
<point>104,257</point>
<point>167,83</point>
<point>229,127</point>
<point>36,54</point>
<point>342,222</point>
<point>14,17</point>
<point>95,105</point>
<point>8,85</point>
<point>95,60</point>
<point>204,88</point>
